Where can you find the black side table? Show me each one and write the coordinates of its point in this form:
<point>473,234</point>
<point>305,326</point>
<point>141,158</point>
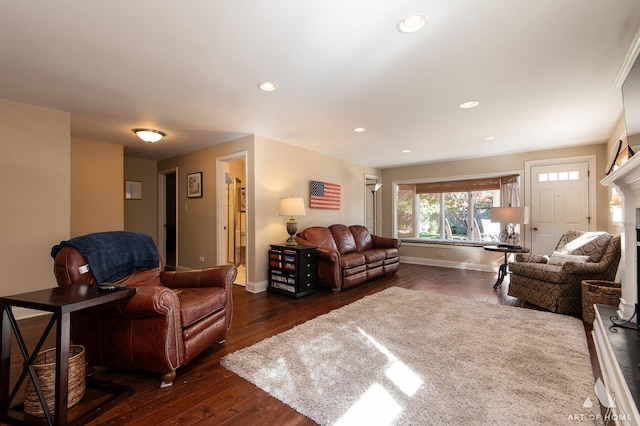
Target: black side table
<point>292,270</point>
<point>60,301</point>
<point>502,271</point>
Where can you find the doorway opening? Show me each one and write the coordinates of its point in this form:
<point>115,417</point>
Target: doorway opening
<point>168,218</point>
<point>232,244</point>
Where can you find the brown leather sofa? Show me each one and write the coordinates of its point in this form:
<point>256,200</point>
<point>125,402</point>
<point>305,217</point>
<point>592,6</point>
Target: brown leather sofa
<point>350,255</point>
<point>173,317</point>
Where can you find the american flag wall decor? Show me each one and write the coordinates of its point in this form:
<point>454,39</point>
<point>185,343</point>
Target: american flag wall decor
<point>324,195</point>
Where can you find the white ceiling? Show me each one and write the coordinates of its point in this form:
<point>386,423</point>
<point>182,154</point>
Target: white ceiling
<point>542,70</point>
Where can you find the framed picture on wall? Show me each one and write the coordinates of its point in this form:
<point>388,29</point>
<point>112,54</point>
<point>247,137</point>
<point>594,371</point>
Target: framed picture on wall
<point>194,185</point>
<point>132,190</point>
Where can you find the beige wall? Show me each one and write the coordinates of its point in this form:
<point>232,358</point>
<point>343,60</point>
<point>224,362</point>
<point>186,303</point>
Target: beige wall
<point>142,215</point>
<point>476,257</point>
<point>55,188</point>
<point>197,217</point>
<point>35,193</point>
<point>58,188</point>
<point>274,170</point>
<point>97,187</point>
<point>284,170</point>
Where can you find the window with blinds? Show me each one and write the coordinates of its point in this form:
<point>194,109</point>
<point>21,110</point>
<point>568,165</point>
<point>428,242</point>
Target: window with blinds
<point>450,210</point>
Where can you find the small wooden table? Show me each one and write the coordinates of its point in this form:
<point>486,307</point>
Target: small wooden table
<point>503,270</point>
<point>60,301</point>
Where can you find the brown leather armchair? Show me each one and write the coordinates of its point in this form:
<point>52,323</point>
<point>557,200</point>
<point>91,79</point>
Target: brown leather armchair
<point>173,317</point>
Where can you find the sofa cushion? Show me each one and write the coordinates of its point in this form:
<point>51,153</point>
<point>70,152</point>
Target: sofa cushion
<point>374,265</point>
<point>389,253</point>
<point>372,256</point>
<point>351,260</point>
<point>362,237</point>
<point>197,303</point>
<point>319,236</point>
<point>356,270</point>
<point>344,239</point>
<point>558,258</point>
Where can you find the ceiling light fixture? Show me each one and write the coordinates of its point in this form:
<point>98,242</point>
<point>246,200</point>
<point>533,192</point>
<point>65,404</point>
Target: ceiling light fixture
<point>469,104</point>
<point>405,151</point>
<point>490,138</point>
<point>359,129</point>
<point>267,86</point>
<point>411,24</point>
<point>149,135</point>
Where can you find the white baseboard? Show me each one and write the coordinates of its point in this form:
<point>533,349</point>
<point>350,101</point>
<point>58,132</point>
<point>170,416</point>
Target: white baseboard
<point>259,287</point>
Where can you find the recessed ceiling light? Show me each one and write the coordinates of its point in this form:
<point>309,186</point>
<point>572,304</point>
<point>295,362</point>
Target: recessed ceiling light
<point>469,104</point>
<point>405,151</point>
<point>411,24</point>
<point>359,129</point>
<point>490,138</point>
<point>267,86</point>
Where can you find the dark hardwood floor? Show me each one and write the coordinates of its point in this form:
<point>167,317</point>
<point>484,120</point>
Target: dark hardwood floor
<point>206,393</point>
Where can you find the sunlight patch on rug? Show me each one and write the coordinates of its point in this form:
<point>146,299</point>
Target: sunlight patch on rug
<point>408,357</point>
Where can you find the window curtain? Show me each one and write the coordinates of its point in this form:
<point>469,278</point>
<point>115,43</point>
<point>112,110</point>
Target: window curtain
<point>510,197</point>
<point>510,191</point>
<point>465,185</point>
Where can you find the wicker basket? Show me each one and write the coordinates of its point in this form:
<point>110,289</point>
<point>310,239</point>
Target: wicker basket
<point>600,292</point>
<point>45,368</point>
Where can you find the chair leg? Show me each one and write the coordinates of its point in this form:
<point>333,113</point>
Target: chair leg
<point>167,379</point>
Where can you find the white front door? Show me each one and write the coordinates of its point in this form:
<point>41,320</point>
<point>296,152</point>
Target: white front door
<point>559,202</point>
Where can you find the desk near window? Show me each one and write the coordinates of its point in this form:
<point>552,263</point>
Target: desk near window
<point>61,302</point>
<point>506,249</point>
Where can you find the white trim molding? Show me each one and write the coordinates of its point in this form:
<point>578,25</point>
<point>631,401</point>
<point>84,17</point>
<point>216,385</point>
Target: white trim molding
<point>629,60</point>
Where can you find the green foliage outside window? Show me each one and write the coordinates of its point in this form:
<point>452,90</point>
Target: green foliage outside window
<point>429,211</point>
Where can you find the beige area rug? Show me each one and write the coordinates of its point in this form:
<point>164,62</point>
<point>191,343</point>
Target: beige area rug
<point>413,358</point>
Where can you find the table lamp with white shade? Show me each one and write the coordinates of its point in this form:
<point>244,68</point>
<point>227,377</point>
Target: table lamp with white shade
<point>509,217</point>
<point>292,206</point>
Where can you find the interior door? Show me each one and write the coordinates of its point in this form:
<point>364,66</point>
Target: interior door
<point>559,202</point>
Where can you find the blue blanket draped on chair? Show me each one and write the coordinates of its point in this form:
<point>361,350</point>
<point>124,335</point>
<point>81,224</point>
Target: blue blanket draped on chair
<point>113,255</point>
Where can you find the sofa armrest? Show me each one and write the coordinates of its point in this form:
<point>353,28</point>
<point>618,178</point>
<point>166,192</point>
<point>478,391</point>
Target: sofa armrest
<point>327,255</point>
<point>149,301</point>
<point>572,267</point>
<point>530,258</point>
<point>217,276</point>
<point>384,242</point>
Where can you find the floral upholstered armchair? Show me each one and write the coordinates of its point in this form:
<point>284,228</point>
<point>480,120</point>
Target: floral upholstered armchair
<point>554,282</point>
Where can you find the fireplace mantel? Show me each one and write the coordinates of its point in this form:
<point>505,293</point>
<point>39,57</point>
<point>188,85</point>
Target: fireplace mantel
<point>618,357</point>
<point>627,180</point>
